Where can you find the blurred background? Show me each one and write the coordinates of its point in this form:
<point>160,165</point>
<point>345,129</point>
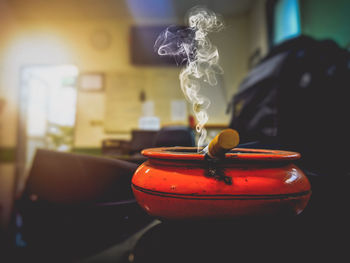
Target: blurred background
<point>81,76</point>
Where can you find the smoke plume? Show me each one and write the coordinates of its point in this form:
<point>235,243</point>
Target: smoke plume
<point>192,46</point>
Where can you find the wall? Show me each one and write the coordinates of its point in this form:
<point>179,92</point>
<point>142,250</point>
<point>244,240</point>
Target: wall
<point>324,19</point>
<point>232,48</point>
<point>32,42</point>
<point>233,43</point>
<point>258,28</point>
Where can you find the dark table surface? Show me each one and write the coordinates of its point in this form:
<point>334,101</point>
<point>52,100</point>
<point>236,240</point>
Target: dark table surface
<point>122,232</point>
<point>320,232</point>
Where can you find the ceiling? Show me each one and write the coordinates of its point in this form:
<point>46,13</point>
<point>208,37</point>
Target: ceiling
<point>112,9</point>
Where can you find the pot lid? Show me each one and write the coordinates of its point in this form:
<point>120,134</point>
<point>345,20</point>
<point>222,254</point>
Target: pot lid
<point>239,154</point>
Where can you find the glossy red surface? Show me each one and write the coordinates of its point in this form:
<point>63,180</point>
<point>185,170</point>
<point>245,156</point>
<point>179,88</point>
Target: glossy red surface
<point>174,184</point>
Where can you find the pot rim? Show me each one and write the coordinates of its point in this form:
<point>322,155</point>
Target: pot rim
<point>237,154</point>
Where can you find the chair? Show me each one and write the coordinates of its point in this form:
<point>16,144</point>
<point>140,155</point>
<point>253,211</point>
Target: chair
<point>115,147</point>
<point>75,205</point>
<point>70,178</point>
<point>141,139</point>
<point>174,136</point>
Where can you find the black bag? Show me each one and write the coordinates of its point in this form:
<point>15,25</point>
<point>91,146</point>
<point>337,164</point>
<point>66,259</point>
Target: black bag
<point>297,99</point>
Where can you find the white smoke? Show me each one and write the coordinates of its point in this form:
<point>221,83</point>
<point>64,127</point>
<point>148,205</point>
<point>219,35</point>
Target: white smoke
<point>192,45</point>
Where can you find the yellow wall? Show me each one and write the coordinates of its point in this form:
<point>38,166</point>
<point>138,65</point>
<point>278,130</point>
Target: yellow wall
<point>74,37</point>
<point>258,28</point>
<point>23,43</point>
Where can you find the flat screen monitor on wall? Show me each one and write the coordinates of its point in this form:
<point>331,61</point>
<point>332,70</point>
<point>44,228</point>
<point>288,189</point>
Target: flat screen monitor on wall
<point>142,52</point>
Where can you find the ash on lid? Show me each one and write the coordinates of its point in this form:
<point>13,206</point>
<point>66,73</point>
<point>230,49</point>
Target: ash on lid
<point>192,46</point>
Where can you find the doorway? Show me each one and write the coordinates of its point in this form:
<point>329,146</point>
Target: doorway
<point>48,97</point>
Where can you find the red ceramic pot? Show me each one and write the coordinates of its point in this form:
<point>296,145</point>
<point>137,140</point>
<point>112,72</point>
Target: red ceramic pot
<point>179,183</point>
